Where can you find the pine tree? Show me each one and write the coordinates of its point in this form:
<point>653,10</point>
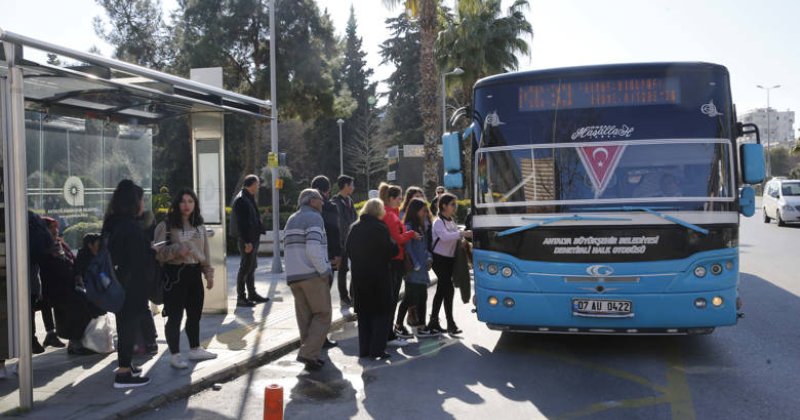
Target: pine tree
<point>404,123</point>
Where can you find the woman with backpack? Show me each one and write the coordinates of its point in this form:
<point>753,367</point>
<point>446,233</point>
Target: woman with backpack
<point>446,237</point>
<point>418,263</point>
<point>130,253</point>
<point>182,246</point>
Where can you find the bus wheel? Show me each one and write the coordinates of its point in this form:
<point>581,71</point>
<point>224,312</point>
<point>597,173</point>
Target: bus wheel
<point>766,218</point>
<point>779,219</point>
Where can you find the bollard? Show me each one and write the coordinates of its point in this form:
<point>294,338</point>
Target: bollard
<point>273,402</point>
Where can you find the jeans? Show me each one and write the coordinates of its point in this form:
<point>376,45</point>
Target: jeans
<point>183,293</point>
<point>247,271</point>
<point>128,322</point>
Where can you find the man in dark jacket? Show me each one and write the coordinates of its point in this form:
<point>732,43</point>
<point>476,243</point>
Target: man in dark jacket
<point>246,225</point>
<point>347,216</point>
<point>330,217</point>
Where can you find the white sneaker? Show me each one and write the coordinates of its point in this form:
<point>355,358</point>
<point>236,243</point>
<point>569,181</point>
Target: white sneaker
<point>201,354</point>
<point>398,342</point>
<point>177,362</point>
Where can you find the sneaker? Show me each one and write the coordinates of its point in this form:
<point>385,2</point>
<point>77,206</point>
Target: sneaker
<point>383,356</point>
<point>177,362</point>
<point>329,344</point>
<point>425,332</point>
<point>244,303</point>
<point>36,348</point>
<point>402,332</point>
<point>453,329</point>
<point>398,342</point>
<point>345,301</point>
<point>201,354</point>
<point>127,380</point>
<point>256,298</point>
<point>136,370</point>
<point>51,339</point>
<point>434,326</point>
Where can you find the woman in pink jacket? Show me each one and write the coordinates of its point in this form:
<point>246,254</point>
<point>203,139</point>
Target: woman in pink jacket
<point>446,237</point>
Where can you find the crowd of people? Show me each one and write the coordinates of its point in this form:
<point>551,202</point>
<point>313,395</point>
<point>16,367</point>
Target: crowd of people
<point>395,239</point>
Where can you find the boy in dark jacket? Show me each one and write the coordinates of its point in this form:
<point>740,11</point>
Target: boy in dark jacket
<point>247,226</point>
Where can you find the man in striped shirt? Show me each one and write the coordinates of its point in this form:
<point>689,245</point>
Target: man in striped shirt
<point>308,271</point>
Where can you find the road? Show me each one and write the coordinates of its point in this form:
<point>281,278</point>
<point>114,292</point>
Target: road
<point>749,371</point>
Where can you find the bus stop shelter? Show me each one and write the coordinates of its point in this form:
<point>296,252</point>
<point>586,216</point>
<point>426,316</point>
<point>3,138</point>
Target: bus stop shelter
<point>111,108</point>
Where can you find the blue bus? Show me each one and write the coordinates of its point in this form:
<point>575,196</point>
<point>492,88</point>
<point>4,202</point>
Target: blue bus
<point>606,199</point>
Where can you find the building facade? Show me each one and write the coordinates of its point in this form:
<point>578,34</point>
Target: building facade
<point>780,125</point>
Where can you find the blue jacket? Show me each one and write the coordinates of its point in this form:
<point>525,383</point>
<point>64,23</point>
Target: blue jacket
<point>420,256</point>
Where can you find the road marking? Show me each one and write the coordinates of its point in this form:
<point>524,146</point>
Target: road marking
<point>676,393</point>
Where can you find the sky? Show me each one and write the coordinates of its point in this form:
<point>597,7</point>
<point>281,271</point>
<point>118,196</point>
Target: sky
<point>757,41</point>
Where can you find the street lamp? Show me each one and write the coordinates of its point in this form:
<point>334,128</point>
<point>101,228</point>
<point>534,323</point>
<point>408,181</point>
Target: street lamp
<point>769,161</point>
<point>456,72</point>
<point>341,150</point>
<point>277,266</point>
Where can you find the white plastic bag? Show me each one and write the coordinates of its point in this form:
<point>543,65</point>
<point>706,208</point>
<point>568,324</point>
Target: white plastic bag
<point>99,335</point>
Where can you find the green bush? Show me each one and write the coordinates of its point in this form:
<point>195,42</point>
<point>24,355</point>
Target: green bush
<point>74,234</point>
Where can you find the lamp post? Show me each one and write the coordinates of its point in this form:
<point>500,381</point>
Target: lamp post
<point>341,150</point>
<point>769,160</point>
<point>277,266</point>
<point>456,72</point>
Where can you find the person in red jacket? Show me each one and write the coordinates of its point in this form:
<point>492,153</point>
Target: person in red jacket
<point>392,197</point>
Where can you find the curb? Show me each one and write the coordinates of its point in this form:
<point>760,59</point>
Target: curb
<point>225,375</point>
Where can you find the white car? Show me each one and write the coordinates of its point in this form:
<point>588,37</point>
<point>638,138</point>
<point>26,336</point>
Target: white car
<point>782,201</point>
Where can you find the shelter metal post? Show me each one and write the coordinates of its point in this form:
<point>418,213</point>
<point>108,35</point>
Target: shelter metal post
<point>13,115</point>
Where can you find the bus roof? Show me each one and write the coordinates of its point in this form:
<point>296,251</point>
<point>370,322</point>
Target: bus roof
<point>602,68</point>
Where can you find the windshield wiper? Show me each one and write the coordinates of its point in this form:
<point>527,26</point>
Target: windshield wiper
<point>541,221</point>
<point>652,210</point>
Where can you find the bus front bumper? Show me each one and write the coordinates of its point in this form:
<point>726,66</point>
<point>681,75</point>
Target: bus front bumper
<point>651,314</point>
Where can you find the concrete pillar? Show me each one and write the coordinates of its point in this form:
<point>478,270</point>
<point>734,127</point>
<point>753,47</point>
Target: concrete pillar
<point>208,153</point>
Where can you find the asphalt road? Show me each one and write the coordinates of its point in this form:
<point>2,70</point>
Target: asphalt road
<point>750,371</point>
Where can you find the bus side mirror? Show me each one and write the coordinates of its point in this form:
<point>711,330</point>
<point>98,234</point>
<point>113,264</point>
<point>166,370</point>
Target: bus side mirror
<point>747,201</point>
<point>751,156</point>
<point>451,154</point>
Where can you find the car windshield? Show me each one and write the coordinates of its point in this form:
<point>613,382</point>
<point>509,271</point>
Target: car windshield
<point>790,188</point>
<point>674,170</point>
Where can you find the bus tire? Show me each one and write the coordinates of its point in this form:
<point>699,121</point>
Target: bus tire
<point>766,218</point>
<point>779,219</point>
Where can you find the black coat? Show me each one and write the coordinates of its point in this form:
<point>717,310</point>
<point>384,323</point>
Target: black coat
<point>246,221</point>
<point>133,257</point>
<point>331,218</point>
<point>370,249</point>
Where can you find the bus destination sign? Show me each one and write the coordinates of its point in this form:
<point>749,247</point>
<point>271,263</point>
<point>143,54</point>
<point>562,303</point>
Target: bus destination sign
<point>600,94</point>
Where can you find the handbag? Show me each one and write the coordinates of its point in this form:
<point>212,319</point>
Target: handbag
<point>160,279</point>
<point>99,335</point>
<point>102,286</point>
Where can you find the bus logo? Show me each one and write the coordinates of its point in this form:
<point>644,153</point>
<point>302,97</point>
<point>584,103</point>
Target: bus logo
<point>599,270</point>
<point>600,163</point>
<point>710,109</point>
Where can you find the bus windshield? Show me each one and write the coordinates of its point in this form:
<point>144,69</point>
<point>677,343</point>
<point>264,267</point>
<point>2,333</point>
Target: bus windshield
<point>652,171</point>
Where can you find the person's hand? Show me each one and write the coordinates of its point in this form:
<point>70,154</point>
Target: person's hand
<point>466,234</point>
<point>185,251</point>
<point>248,248</point>
<point>335,262</point>
<point>209,282</point>
<point>417,236</point>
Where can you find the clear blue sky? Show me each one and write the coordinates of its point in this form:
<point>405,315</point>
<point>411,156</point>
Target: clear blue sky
<point>757,41</point>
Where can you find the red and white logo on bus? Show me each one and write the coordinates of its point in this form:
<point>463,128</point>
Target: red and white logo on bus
<point>600,163</point>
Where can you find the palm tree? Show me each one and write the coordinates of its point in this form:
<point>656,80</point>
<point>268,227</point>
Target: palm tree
<point>482,41</point>
<point>425,11</point>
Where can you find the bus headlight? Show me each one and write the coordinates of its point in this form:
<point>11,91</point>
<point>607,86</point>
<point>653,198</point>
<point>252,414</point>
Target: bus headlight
<point>717,301</point>
<point>700,271</point>
<point>729,265</point>
<point>508,302</point>
<point>491,269</point>
<point>492,301</point>
<point>507,272</point>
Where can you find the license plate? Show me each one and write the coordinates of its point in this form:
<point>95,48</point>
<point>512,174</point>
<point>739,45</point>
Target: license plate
<point>599,307</point>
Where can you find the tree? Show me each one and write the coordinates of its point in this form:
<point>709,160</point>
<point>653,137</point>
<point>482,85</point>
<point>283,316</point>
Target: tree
<point>482,41</point>
<point>779,161</point>
<point>425,11</point>
<point>403,119</point>
<point>354,68</point>
<point>366,153</point>
<point>137,32</point>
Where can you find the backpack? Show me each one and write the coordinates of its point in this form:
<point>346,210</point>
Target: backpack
<point>102,287</point>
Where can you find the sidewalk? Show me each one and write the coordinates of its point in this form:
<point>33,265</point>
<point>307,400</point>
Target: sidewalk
<point>80,387</point>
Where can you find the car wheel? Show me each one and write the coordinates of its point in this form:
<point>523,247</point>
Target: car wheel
<point>766,218</point>
<point>779,219</point>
